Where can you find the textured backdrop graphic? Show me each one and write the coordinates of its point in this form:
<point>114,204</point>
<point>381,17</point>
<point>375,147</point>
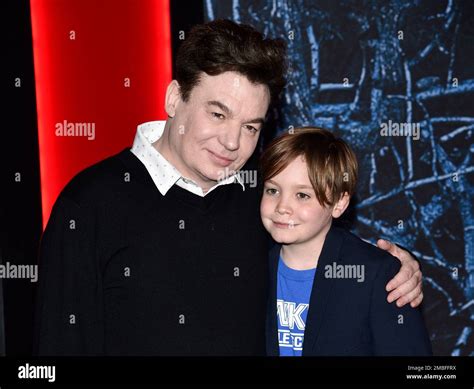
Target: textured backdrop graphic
<point>365,69</point>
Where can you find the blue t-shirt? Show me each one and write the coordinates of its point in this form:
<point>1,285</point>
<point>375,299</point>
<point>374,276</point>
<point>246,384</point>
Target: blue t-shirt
<point>293,294</point>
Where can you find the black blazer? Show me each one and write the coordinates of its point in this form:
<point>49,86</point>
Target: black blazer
<point>347,317</point>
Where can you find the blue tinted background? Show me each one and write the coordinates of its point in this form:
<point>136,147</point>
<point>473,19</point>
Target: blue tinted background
<point>357,64</point>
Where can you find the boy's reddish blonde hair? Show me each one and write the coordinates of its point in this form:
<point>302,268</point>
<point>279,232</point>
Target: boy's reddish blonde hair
<point>332,165</point>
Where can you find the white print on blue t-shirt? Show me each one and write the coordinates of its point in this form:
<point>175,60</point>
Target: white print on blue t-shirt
<point>293,295</point>
<point>289,317</point>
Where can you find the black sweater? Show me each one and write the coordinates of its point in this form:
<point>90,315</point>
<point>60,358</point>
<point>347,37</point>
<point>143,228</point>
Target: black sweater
<point>124,270</point>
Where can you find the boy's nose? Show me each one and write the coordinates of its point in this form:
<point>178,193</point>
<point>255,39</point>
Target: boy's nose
<point>283,208</point>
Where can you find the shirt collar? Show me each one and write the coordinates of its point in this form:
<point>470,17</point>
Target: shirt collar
<point>162,172</point>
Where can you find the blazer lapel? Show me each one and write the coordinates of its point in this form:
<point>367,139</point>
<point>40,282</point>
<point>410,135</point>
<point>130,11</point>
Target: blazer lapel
<point>322,288</point>
<point>271,322</point>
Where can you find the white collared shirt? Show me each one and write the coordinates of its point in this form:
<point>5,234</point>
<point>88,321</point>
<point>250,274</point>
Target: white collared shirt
<point>163,173</point>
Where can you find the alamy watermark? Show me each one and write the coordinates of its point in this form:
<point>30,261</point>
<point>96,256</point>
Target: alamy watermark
<point>335,270</point>
<point>28,371</point>
<point>247,176</point>
<point>10,270</point>
<point>400,129</point>
<point>75,129</point>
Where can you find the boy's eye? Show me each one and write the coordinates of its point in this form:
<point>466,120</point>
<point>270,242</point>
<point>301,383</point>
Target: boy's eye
<point>270,191</point>
<point>251,128</point>
<point>218,115</point>
<point>303,196</point>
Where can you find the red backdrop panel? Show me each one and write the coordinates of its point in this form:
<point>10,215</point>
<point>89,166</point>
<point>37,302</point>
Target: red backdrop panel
<point>101,68</point>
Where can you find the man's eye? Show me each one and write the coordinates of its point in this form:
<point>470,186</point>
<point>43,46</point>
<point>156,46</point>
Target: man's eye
<point>270,191</point>
<point>303,196</point>
<point>218,115</point>
<point>251,128</point>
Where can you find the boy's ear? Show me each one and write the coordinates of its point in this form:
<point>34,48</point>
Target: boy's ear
<point>172,98</point>
<point>341,205</point>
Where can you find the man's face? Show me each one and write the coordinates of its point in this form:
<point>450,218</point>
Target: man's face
<point>216,131</point>
<point>290,210</point>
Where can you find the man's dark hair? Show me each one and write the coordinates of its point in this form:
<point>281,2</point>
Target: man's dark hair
<point>223,45</point>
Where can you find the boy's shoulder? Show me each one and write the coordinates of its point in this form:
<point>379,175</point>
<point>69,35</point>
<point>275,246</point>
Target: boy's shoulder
<point>352,250</point>
<point>358,250</point>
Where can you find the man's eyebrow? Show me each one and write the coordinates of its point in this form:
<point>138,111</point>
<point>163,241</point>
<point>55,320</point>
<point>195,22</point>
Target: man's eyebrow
<point>222,106</point>
<point>256,120</point>
<point>228,111</point>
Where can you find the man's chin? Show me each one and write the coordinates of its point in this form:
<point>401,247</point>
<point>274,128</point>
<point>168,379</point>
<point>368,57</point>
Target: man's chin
<point>209,179</point>
<point>219,175</point>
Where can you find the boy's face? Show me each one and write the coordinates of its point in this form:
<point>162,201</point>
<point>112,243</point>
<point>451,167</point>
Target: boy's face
<point>217,129</point>
<point>289,208</point>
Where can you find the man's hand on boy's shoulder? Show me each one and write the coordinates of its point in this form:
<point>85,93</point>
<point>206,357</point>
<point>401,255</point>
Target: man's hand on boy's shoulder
<point>405,287</point>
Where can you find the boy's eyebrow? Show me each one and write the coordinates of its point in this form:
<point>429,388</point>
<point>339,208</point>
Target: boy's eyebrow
<point>296,186</point>
<point>228,111</point>
<point>272,182</point>
<point>304,187</point>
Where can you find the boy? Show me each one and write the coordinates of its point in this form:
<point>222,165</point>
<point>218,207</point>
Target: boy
<point>309,177</point>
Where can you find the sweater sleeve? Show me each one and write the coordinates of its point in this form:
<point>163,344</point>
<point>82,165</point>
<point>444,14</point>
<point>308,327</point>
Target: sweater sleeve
<point>69,300</point>
<point>395,331</point>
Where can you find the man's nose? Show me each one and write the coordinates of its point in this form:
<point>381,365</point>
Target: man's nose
<point>230,137</point>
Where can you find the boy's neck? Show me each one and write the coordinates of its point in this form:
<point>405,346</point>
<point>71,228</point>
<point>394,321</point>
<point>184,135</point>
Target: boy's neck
<point>304,256</point>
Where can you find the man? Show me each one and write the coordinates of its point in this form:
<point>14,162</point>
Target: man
<point>159,250</point>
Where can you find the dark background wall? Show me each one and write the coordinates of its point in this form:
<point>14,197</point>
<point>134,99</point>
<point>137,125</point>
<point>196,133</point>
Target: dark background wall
<point>21,203</point>
<point>357,65</point>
